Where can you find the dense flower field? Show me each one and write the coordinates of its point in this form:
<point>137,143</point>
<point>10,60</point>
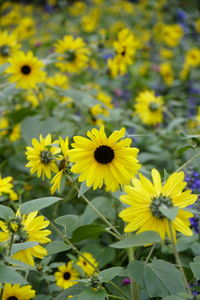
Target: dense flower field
<point>99,150</point>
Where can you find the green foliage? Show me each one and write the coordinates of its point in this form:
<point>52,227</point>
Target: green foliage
<point>37,204</point>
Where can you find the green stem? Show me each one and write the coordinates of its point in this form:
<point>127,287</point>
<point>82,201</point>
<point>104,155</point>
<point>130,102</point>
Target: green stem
<point>188,162</point>
<point>115,232</point>
<point>11,242</point>
<point>150,252</point>
<point>114,297</point>
<point>178,261</point>
<point>135,291</point>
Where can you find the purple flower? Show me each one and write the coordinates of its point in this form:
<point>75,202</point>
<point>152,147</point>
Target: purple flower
<point>126,281</point>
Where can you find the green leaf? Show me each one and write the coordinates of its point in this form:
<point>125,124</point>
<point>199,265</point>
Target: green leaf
<point>136,271</point>
<point>22,246</point>
<point>83,189</point>
<point>69,222</point>
<point>37,204</point>
<point>104,205</point>
<point>162,279</point>
<point>169,212</point>
<point>195,247</point>
<point>87,232</point>
<point>74,290</point>
<point>109,274</point>
<point>56,247</point>
<point>6,212</point>
<point>144,238</point>
<point>183,149</point>
<point>89,294</point>
<point>9,275</point>
<point>195,266</point>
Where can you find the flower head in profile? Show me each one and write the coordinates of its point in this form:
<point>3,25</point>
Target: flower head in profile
<point>8,46</point>
<point>41,157</point>
<point>146,200</point>
<point>73,54</point>
<point>149,107</point>
<point>66,276</point>
<point>63,160</point>
<point>25,70</point>
<point>101,159</point>
<point>17,292</point>
<point>84,264</point>
<point>26,228</point>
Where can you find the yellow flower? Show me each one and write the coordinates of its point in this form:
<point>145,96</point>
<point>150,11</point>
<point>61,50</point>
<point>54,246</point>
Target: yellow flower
<point>58,80</point>
<point>6,185</point>
<point>15,133</point>
<point>105,99</point>
<point>192,57</point>
<point>125,48</point>
<point>77,8</point>
<point>40,157</point>
<point>167,73</point>
<point>149,107</point>
<point>15,292</point>
<point>8,46</point>
<point>26,28</point>
<point>25,70</point>
<point>166,53</point>
<point>87,268</point>
<point>73,54</point>
<point>66,276</point>
<point>13,196</point>
<point>104,160</point>
<point>146,198</point>
<point>28,228</point>
<point>4,125</point>
<point>56,180</point>
<point>172,34</point>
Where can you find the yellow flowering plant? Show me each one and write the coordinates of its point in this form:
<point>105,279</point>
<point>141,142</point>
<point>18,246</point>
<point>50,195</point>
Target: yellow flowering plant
<point>99,150</point>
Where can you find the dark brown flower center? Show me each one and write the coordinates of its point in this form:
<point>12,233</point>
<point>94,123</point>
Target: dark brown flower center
<point>12,298</point>
<point>66,275</point>
<point>70,55</point>
<point>104,154</point>
<point>26,69</point>
<point>45,157</point>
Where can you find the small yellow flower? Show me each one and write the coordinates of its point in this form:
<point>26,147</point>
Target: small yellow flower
<point>149,107</point>
<point>41,157</point>
<point>66,276</point>
<point>73,54</point>
<point>167,73</point>
<point>85,266</point>
<point>15,133</point>
<point>25,70</point>
<point>8,46</point>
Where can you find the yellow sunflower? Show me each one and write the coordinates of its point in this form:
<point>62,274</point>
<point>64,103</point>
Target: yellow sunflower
<point>25,70</point>
<point>104,160</point>
<point>56,180</point>
<point>15,292</point>
<point>149,107</point>
<point>40,157</point>
<point>6,185</point>
<point>8,46</point>
<point>66,276</point>
<point>73,54</point>
<point>145,200</point>
<point>28,228</point>
<point>87,268</point>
